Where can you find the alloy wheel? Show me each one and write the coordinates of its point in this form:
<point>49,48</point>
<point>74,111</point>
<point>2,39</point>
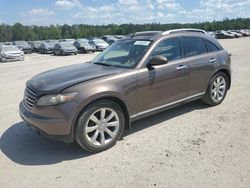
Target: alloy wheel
<point>218,89</point>
<point>102,127</point>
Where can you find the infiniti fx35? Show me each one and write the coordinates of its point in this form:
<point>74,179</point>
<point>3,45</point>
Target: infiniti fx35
<point>139,75</point>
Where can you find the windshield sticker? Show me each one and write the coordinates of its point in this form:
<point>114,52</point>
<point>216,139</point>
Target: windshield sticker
<point>142,43</point>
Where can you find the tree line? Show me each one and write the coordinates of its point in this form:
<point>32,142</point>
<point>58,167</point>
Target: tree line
<point>34,32</point>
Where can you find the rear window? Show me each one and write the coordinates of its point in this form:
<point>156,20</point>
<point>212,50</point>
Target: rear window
<point>193,46</point>
<point>211,47</point>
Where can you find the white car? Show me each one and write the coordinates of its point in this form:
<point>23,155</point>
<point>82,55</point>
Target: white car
<point>10,53</point>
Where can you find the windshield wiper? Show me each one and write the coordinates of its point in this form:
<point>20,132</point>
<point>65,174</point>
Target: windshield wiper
<point>104,64</point>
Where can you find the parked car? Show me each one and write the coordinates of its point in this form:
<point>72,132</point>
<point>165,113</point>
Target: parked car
<point>35,45</point>
<point>119,36</point>
<point>47,47</point>
<point>99,44</point>
<point>109,39</point>
<point>224,35</point>
<point>245,32</point>
<point>212,34</point>
<point>24,46</point>
<point>137,76</point>
<point>67,40</point>
<point>83,45</point>
<point>10,53</point>
<point>236,34</point>
<point>7,43</point>
<point>64,48</point>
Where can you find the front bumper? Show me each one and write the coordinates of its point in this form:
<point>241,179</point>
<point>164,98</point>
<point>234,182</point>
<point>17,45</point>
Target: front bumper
<point>56,128</point>
<point>101,48</point>
<point>27,50</point>
<point>69,52</point>
<point>11,58</point>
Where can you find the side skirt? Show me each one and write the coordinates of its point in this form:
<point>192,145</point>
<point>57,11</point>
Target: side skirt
<point>158,109</point>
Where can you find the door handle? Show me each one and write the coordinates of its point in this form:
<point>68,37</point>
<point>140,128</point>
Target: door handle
<point>181,67</point>
<point>212,60</point>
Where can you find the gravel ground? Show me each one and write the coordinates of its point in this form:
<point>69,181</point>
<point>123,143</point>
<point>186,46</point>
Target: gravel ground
<point>188,146</point>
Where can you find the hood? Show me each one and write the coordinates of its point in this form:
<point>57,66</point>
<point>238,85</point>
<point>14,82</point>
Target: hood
<point>16,52</point>
<point>69,48</point>
<point>102,44</point>
<point>56,80</point>
<point>85,45</point>
<point>23,46</point>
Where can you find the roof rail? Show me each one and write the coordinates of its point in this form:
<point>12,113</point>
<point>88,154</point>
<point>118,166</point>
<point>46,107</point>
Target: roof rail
<point>184,30</point>
<point>144,33</point>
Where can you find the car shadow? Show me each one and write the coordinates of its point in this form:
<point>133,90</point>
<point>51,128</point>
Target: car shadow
<point>164,116</point>
<point>22,145</point>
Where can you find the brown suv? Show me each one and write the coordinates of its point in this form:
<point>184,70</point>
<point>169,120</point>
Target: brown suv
<point>137,76</point>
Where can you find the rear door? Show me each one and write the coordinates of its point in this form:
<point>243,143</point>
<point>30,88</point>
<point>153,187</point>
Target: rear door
<point>200,63</point>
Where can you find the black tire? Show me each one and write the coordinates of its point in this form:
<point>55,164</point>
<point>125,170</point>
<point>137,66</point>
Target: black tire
<point>81,124</point>
<point>208,96</point>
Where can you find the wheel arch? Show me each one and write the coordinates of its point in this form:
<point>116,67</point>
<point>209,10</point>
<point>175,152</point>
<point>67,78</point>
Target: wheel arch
<point>117,100</point>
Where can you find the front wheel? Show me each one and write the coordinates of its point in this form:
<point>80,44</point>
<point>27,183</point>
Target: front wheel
<point>217,89</point>
<point>100,126</point>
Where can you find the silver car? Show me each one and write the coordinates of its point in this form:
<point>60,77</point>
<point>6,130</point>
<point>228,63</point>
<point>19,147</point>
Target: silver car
<point>10,53</point>
<point>99,44</point>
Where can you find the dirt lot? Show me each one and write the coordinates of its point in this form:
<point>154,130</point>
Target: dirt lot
<point>189,146</point>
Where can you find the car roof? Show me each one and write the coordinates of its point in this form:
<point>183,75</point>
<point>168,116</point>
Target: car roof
<point>158,35</point>
<point>154,35</point>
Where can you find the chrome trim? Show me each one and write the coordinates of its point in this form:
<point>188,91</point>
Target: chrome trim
<point>167,105</point>
<point>212,60</point>
<point>181,67</point>
<point>183,30</point>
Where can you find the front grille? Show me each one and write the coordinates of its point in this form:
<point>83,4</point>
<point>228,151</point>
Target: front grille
<point>30,97</point>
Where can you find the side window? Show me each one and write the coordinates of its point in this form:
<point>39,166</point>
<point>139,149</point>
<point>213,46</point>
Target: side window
<point>211,47</point>
<point>169,48</point>
<point>193,46</point>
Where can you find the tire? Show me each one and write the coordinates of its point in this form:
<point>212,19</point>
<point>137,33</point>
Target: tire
<point>214,91</point>
<point>84,122</point>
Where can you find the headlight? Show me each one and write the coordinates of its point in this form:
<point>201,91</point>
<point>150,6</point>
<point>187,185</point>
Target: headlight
<point>3,54</point>
<point>49,100</point>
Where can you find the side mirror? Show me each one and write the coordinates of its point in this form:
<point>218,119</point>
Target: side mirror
<point>157,60</point>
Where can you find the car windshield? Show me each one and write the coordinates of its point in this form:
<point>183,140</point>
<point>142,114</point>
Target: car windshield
<point>99,41</point>
<point>83,41</point>
<point>20,42</point>
<point>66,44</point>
<point>36,42</point>
<point>111,38</point>
<point>124,53</point>
<point>52,43</point>
<point>9,48</point>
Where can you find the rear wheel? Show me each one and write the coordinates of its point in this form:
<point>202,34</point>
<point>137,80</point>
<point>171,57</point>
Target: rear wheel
<point>217,89</point>
<point>100,126</point>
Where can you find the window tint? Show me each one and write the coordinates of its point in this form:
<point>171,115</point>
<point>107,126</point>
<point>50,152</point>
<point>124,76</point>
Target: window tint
<point>193,46</point>
<point>169,48</point>
<point>211,47</point>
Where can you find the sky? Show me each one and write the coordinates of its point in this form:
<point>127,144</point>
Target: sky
<point>98,12</point>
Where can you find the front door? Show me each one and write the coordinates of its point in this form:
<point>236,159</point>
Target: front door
<point>163,84</point>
